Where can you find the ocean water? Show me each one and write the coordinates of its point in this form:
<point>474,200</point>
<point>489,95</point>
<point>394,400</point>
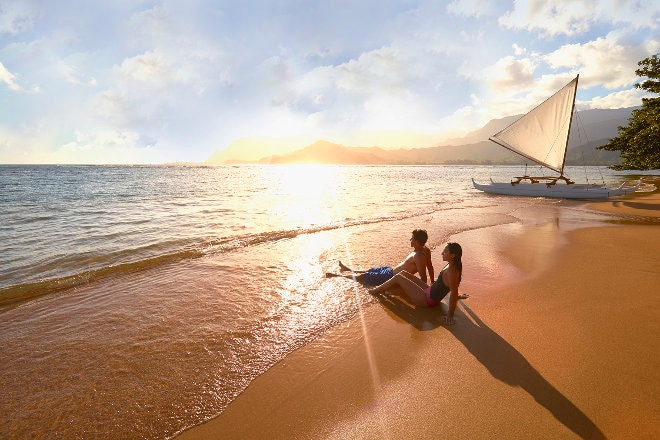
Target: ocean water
<point>138,301</point>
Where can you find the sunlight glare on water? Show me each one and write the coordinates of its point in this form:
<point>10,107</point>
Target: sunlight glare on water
<point>299,195</point>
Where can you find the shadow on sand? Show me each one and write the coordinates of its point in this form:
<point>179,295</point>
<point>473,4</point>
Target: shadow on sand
<point>502,360</point>
<point>422,319</point>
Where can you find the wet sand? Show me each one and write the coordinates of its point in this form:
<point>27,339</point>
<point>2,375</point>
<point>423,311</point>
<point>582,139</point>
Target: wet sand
<point>557,340</point>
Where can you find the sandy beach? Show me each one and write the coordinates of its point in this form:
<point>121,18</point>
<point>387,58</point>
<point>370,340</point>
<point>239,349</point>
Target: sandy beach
<point>557,340</point>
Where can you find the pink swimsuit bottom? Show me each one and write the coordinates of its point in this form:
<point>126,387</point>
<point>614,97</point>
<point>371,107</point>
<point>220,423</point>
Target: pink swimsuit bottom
<point>430,302</point>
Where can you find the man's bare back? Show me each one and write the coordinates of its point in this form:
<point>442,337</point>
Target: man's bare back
<point>415,262</point>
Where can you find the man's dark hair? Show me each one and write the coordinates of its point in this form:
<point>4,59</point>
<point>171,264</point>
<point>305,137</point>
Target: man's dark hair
<point>421,236</point>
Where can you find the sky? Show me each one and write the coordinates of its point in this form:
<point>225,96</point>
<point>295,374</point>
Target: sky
<point>150,82</point>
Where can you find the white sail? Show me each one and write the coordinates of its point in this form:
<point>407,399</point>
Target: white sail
<point>542,134</point>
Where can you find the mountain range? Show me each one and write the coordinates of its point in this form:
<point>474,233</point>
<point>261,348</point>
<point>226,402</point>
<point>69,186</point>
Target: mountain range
<point>592,129</point>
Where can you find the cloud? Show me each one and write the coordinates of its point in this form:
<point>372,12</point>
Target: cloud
<point>604,61</point>
<point>173,92</point>
<point>574,17</point>
<point>516,83</point>
<point>509,74</point>
<point>509,86</point>
<point>149,68</point>
<point>383,89</point>
<point>8,78</point>
<point>71,69</point>
<point>93,147</point>
<point>16,16</point>
<point>471,8</point>
<point>551,17</point>
<point>111,147</point>
<point>335,95</point>
<point>622,99</point>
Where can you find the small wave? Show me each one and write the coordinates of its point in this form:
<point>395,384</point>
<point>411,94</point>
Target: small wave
<point>42,218</point>
<point>13,222</point>
<point>228,244</point>
<point>14,296</point>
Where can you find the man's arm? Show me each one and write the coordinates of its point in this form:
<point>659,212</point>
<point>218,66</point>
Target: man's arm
<point>420,264</point>
<point>429,263</point>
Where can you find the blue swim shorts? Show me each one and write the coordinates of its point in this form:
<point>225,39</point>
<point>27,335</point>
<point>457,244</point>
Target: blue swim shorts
<point>378,275</point>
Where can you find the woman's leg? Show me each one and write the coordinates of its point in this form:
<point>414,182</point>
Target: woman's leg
<point>414,278</point>
<point>413,290</point>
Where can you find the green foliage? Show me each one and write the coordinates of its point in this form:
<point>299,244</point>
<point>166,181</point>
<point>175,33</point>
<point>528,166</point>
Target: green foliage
<point>650,68</point>
<point>639,142</point>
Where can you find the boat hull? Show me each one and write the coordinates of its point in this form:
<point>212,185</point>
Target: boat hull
<point>558,191</point>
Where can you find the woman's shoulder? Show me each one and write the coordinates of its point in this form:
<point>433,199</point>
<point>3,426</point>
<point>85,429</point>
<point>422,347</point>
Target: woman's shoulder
<point>452,270</point>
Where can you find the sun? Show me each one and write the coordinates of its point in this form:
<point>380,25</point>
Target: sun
<point>303,195</point>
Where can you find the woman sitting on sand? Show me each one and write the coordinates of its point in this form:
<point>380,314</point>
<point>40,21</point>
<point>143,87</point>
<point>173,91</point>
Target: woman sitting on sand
<point>430,296</point>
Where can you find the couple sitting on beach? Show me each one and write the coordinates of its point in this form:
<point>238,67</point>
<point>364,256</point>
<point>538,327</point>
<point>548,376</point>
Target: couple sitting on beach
<point>416,289</point>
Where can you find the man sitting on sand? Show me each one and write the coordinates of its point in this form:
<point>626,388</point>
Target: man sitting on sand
<point>417,262</point>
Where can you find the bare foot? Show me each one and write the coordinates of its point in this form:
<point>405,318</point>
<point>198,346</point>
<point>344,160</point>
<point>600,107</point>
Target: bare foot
<point>342,267</point>
<point>330,275</point>
<point>463,296</point>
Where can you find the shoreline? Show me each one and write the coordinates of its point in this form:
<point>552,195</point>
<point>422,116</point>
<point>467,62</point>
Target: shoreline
<point>396,372</point>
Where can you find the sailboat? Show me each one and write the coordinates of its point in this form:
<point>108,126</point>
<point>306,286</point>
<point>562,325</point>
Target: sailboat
<point>542,136</point>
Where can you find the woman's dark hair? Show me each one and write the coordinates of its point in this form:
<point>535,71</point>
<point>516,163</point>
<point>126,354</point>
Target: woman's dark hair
<point>457,250</point>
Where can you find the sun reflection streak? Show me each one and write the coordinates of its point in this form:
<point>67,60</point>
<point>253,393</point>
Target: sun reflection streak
<point>357,291</point>
<point>373,367</point>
